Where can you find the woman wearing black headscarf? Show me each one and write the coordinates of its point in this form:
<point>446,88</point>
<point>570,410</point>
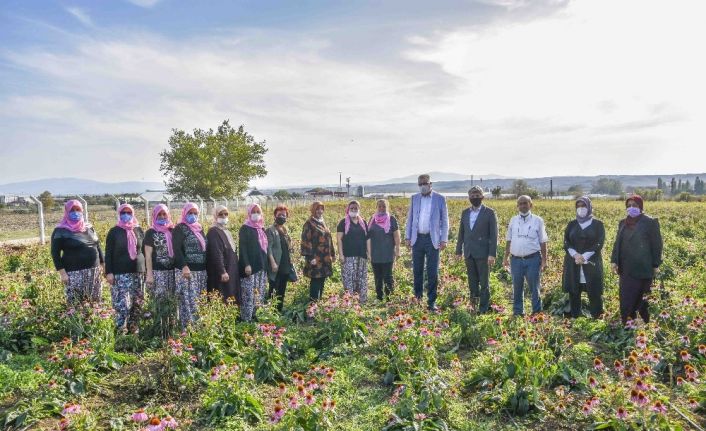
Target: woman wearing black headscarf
<point>583,263</point>
<point>637,254</point>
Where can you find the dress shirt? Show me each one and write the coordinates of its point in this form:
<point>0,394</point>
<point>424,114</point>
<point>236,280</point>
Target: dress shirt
<point>424,226</point>
<point>526,235</point>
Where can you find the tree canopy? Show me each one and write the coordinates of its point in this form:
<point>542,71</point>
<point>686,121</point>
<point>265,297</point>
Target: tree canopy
<point>210,163</point>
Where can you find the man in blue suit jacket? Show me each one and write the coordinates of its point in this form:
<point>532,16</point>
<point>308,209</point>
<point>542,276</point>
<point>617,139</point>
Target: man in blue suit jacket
<point>427,232</point>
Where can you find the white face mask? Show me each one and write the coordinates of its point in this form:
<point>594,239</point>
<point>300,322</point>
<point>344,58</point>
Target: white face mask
<point>255,217</point>
<point>525,214</point>
<point>582,212</point>
<point>353,214</point>
<point>425,189</point>
<point>222,221</point>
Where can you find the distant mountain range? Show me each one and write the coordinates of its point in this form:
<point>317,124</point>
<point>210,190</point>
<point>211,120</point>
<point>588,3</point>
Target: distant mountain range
<point>559,183</point>
<point>69,186</point>
<point>443,182</point>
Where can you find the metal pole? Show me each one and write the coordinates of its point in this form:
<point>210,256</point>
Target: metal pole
<point>40,208</point>
<point>147,209</point>
<point>85,207</point>
<point>214,203</point>
<point>200,207</point>
<point>226,202</point>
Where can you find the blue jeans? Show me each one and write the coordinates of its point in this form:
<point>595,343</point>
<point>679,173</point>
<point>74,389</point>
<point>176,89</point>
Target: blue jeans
<point>522,269</point>
<point>421,250</point>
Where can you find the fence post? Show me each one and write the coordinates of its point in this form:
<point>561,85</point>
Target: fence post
<point>117,202</point>
<point>226,202</point>
<point>40,208</point>
<point>201,216</point>
<point>214,203</point>
<point>85,207</point>
<point>147,210</point>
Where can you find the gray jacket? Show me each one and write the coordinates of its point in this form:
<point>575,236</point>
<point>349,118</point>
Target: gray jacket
<point>274,249</point>
<point>482,241</point>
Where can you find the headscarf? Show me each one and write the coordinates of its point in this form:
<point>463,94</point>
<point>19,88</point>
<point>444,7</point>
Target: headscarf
<point>129,228</point>
<point>382,220</point>
<point>73,226</point>
<point>217,209</point>
<point>195,227</point>
<point>318,225</point>
<point>166,229</point>
<point>638,200</point>
<point>258,226</point>
<point>632,221</point>
<point>589,215</point>
<point>348,222</point>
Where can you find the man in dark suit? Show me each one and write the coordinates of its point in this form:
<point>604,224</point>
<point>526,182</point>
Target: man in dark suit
<point>478,244</point>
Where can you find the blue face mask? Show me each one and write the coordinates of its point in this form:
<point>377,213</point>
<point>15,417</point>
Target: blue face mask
<point>75,215</point>
<point>191,218</point>
<point>162,221</point>
<point>633,212</point>
<point>126,218</point>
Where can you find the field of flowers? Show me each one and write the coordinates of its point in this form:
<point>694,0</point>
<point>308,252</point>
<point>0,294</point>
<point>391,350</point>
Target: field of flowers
<point>340,365</point>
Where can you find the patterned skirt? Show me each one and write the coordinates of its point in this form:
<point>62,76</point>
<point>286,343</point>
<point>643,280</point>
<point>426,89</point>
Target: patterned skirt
<point>355,277</point>
<point>253,291</point>
<point>128,295</point>
<point>84,286</point>
<point>188,292</point>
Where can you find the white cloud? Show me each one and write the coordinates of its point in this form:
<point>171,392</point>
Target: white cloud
<point>144,3</point>
<point>80,15</point>
<point>601,82</point>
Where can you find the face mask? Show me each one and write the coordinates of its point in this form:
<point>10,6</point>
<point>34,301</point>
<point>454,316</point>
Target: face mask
<point>633,212</point>
<point>255,217</point>
<point>222,221</point>
<point>353,214</point>
<point>425,189</point>
<point>280,220</point>
<point>582,212</point>
<point>191,218</point>
<point>126,218</point>
<point>524,214</point>
<point>476,201</point>
<point>75,215</point>
<point>162,221</point>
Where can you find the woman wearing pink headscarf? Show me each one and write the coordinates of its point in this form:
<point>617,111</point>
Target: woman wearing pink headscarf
<point>189,244</point>
<point>77,255</point>
<point>254,258</point>
<point>125,269</point>
<point>159,259</point>
<point>352,234</point>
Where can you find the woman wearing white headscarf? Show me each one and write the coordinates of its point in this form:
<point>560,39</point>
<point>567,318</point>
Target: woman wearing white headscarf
<point>222,258</point>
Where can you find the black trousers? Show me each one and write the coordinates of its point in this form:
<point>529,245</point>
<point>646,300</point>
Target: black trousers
<point>479,282</point>
<point>595,301</point>
<point>316,288</point>
<point>632,297</point>
<point>278,287</point>
<point>382,272</point>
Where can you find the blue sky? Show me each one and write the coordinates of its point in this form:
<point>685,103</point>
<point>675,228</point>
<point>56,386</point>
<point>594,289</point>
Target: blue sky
<point>373,89</point>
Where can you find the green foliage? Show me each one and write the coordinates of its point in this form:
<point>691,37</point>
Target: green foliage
<point>608,186</point>
<point>208,163</point>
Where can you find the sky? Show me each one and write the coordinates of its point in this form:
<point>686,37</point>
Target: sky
<point>372,89</point>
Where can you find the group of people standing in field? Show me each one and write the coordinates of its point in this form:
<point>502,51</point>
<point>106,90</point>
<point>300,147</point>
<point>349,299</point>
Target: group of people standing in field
<point>178,262</point>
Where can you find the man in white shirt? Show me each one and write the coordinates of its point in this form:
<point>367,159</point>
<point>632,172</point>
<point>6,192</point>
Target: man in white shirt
<point>526,254</point>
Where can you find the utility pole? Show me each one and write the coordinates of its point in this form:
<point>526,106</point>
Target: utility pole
<point>339,181</point>
<point>551,188</point>
<point>348,186</point>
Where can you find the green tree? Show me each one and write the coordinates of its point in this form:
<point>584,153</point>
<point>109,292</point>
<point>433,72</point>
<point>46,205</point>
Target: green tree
<point>282,195</point>
<point>520,187</point>
<point>576,190</point>
<point>208,163</point>
<point>607,186</point>
<point>673,187</point>
<point>47,199</point>
<point>496,191</point>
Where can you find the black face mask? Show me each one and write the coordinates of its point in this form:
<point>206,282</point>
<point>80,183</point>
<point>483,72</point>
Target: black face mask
<point>280,220</point>
<point>476,201</point>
